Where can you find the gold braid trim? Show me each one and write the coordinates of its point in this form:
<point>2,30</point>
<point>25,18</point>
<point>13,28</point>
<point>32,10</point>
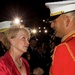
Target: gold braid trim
<point>69,50</point>
<point>53,55</point>
<point>3,30</point>
<point>57,13</point>
<point>68,47</point>
<point>53,58</point>
<point>72,34</point>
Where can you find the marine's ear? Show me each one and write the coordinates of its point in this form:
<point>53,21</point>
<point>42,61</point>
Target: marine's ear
<point>67,20</point>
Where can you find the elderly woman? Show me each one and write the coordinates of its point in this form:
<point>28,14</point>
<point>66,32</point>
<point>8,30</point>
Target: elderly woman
<point>16,40</point>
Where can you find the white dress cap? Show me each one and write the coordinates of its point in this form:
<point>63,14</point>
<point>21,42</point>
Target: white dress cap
<point>59,7</point>
<point>5,24</point>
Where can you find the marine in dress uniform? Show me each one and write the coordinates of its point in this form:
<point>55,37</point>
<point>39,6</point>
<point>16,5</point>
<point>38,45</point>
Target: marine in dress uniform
<point>3,28</point>
<point>63,59</point>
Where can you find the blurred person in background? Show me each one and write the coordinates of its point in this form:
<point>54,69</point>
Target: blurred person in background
<point>63,60</point>
<point>46,57</point>
<point>32,57</point>
<point>3,28</point>
<point>2,47</point>
<point>16,40</point>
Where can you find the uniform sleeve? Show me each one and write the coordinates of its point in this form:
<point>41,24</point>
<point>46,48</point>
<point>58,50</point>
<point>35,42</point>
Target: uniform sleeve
<point>58,60</point>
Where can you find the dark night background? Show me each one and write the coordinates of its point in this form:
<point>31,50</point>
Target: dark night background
<point>28,10</point>
<point>32,12</point>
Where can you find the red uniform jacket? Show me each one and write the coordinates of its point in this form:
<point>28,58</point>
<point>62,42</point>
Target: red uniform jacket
<point>64,57</point>
<point>7,66</point>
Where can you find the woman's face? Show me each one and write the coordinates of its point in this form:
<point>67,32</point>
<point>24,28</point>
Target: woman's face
<point>59,26</point>
<point>21,41</point>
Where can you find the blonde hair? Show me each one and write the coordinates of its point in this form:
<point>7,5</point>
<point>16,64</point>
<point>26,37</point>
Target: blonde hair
<point>11,33</point>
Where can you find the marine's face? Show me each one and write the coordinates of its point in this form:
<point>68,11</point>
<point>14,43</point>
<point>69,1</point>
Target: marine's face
<point>58,26</point>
